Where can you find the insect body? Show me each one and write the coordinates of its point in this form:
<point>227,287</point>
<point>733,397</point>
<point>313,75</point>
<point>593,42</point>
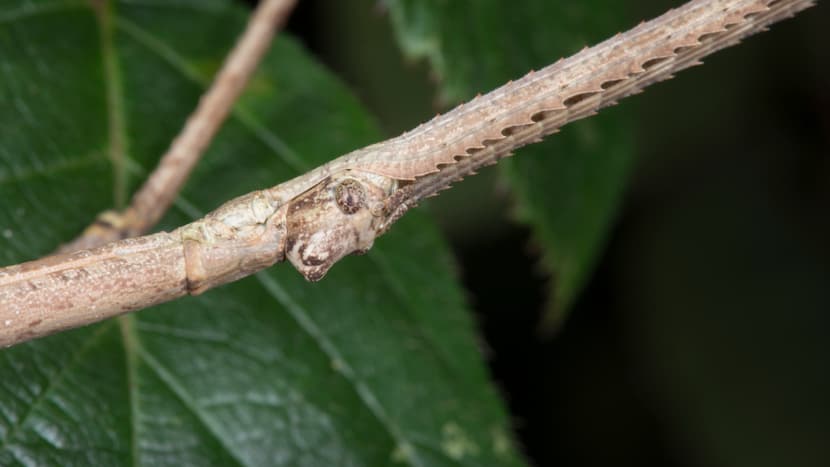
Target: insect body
<point>338,216</point>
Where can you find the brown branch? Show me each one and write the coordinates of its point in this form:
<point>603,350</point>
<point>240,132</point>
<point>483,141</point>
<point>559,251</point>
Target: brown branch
<point>160,189</point>
<point>342,206</point>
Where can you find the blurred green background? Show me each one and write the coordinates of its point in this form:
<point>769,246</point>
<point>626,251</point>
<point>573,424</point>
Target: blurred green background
<point>703,338</point>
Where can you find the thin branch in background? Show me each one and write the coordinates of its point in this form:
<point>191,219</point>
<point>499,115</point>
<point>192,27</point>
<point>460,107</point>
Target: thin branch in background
<point>160,189</point>
<point>339,208</point>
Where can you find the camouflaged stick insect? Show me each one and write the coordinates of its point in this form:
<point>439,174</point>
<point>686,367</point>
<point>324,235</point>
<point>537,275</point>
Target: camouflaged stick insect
<point>340,207</point>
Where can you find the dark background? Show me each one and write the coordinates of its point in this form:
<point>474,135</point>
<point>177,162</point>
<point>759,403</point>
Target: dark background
<point>703,338</point>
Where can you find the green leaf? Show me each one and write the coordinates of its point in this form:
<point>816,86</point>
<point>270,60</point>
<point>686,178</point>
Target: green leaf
<point>567,189</point>
<point>376,365</point>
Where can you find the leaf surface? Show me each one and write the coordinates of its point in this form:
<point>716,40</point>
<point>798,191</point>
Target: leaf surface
<point>376,365</point>
<point>569,187</point>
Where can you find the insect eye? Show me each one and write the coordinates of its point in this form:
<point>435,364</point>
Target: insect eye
<point>350,196</point>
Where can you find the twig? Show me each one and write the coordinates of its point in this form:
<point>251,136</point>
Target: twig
<point>160,189</point>
<point>341,207</point>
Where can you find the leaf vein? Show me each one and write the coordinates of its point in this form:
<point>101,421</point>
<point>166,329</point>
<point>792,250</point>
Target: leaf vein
<point>114,89</point>
<point>73,360</point>
<point>211,426</point>
<point>128,339</point>
<point>51,169</point>
<point>364,392</point>
<point>244,117</point>
<point>46,8</point>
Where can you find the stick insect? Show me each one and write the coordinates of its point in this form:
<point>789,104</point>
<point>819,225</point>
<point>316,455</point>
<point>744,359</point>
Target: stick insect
<point>341,207</point>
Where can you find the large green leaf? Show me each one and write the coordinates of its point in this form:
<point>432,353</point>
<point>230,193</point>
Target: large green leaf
<point>568,188</point>
<point>375,365</point>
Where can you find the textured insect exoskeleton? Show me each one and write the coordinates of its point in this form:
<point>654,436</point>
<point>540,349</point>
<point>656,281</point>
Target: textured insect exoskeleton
<point>338,216</point>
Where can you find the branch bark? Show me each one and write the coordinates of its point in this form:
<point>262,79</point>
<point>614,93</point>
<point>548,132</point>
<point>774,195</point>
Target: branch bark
<point>342,206</point>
